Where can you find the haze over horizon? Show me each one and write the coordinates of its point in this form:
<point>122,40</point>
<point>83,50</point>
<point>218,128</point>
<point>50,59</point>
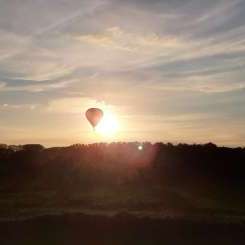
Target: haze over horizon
<point>168,70</point>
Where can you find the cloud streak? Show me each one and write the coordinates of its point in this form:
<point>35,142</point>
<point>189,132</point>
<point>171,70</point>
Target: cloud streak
<point>36,87</point>
<point>164,58</point>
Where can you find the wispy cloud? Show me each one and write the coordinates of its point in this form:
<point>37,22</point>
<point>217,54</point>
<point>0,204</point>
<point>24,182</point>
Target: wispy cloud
<point>179,62</point>
<point>2,85</point>
<point>10,107</point>
<point>37,87</point>
<point>75,105</point>
<point>117,38</point>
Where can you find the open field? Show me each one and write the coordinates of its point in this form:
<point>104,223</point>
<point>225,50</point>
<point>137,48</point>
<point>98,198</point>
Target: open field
<point>118,230</point>
<point>114,194</point>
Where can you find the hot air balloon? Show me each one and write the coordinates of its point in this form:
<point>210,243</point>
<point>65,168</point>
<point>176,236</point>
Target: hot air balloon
<point>94,115</point>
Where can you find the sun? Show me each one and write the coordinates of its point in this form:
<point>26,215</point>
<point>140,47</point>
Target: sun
<point>109,125</point>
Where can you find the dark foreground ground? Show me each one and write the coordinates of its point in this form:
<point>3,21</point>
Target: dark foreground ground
<point>118,230</point>
<point>97,195</point>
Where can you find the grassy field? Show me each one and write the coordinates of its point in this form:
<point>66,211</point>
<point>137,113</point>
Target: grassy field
<point>161,202</point>
<point>119,230</point>
<point>114,194</point>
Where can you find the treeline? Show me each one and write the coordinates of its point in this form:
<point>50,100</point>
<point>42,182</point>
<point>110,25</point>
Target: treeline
<point>82,167</point>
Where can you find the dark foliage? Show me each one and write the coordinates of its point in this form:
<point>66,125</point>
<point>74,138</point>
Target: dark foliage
<point>118,230</point>
<point>198,188</point>
<point>85,166</point>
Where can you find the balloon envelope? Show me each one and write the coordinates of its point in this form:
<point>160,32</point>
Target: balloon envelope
<point>94,115</point>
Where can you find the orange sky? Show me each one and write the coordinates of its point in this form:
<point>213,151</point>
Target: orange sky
<point>166,70</point>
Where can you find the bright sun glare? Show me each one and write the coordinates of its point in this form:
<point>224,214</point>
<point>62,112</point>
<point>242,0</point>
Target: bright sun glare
<point>109,125</point>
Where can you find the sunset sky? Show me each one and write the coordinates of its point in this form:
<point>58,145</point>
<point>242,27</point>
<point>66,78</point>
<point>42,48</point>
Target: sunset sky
<point>168,70</point>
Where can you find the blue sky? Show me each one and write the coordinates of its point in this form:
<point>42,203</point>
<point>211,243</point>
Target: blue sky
<point>171,70</point>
